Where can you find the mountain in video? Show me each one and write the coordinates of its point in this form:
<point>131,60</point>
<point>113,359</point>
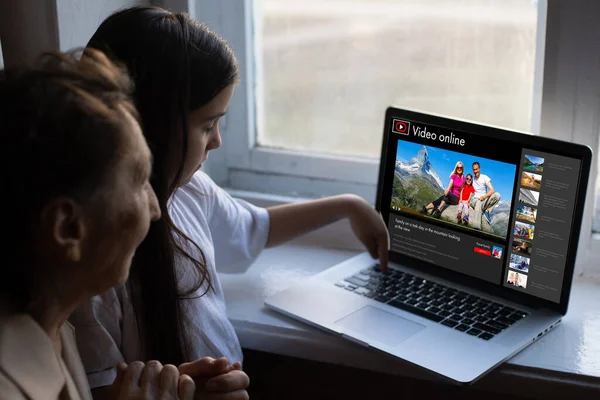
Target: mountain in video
<point>531,166</point>
<point>419,166</point>
<point>416,183</point>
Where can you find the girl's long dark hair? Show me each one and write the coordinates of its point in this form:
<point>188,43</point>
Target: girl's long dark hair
<point>177,65</point>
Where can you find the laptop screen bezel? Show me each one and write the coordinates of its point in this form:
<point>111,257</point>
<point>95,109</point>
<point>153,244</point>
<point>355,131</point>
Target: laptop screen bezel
<point>529,141</point>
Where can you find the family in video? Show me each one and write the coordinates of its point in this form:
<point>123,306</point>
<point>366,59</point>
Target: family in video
<point>517,279</point>
<point>519,262</point>
<point>456,188</point>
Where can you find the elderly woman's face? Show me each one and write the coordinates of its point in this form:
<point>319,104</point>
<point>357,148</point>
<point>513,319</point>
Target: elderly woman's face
<point>120,220</point>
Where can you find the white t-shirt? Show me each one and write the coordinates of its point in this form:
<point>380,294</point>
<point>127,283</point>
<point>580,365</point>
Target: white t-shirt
<point>230,232</point>
<point>480,185</point>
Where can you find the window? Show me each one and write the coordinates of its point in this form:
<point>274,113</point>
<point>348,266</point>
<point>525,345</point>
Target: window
<point>330,67</point>
<point>317,76</point>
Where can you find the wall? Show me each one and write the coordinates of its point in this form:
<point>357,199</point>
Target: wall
<point>30,27</point>
<point>79,19</point>
<point>27,28</point>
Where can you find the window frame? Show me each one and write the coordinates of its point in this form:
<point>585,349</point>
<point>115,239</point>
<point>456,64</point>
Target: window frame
<point>565,106</point>
<point>570,98</point>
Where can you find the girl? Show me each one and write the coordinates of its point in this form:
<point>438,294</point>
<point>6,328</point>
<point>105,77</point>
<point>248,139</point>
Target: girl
<point>77,167</point>
<point>465,197</point>
<point>173,308</point>
<point>451,193</point>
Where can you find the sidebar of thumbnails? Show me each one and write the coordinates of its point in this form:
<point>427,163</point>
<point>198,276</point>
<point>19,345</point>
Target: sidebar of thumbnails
<point>542,226</point>
<point>532,168</point>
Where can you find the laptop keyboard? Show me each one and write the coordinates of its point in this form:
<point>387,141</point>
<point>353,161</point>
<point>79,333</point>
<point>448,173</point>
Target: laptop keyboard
<point>453,308</point>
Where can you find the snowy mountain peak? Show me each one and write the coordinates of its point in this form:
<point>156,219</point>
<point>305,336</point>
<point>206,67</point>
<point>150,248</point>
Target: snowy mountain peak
<point>420,165</point>
<point>421,158</point>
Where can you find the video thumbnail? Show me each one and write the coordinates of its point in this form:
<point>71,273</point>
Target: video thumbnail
<point>523,230</point>
<point>517,279</point>
<point>529,196</point>
<point>519,263</point>
<point>526,213</point>
<point>533,164</point>
<point>521,247</point>
<point>531,180</point>
<point>429,181</point>
<point>497,252</point>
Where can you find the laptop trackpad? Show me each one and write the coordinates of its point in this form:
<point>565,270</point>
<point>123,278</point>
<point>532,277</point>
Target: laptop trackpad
<point>380,325</point>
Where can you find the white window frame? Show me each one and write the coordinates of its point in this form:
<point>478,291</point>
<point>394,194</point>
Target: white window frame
<point>566,105</point>
<point>570,97</point>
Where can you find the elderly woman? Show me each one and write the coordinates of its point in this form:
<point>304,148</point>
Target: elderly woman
<point>75,169</point>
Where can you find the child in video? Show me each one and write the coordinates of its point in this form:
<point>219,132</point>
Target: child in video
<point>465,197</point>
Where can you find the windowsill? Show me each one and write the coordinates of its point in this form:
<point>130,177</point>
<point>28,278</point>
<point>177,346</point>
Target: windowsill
<point>570,354</point>
<point>566,358</point>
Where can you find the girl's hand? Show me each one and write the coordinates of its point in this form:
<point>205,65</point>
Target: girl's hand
<point>216,380</point>
<point>151,381</point>
<point>369,228</point>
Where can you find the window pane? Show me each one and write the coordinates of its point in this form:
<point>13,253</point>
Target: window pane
<point>331,67</point>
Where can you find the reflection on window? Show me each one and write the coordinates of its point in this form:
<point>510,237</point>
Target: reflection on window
<point>331,67</point>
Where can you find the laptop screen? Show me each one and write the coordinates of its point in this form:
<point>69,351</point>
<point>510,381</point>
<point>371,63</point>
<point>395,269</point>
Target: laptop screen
<point>489,208</point>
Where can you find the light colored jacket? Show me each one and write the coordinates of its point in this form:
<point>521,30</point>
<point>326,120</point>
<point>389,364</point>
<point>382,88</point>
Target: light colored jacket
<point>30,368</point>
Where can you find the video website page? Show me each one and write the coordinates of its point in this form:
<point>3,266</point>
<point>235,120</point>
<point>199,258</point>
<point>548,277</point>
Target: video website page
<point>482,207</point>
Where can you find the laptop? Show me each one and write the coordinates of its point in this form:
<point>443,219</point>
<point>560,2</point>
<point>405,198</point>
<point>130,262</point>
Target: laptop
<point>481,259</point>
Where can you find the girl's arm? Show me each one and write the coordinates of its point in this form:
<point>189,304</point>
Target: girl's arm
<point>292,220</point>
<point>460,194</point>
